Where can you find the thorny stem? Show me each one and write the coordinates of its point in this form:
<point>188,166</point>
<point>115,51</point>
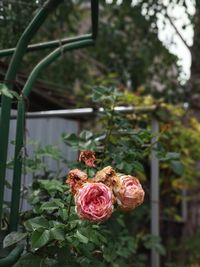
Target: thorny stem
<point>69,207</point>
<point>87,171</point>
<point>109,130</point>
<point>158,136</point>
<point>24,155</point>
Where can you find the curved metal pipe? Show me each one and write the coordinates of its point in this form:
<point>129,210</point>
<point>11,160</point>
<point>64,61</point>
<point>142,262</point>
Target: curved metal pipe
<point>12,257</point>
<point>14,214</point>
<point>49,59</point>
<point>45,45</point>
<point>56,43</point>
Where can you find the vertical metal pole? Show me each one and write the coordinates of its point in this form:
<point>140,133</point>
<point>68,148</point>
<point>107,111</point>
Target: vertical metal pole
<point>94,17</point>
<point>155,258</point>
<point>16,184</point>
<point>184,205</point>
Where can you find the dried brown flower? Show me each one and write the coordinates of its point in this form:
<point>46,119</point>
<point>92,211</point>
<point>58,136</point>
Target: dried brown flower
<point>76,179</point>
<point>107,176</point>
<point>88,157</point>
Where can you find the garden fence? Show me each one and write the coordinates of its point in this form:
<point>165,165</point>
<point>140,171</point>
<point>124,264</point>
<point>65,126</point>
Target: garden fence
<point>44,131</point>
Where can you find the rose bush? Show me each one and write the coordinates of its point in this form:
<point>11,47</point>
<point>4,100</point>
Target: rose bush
<point>94,202</point>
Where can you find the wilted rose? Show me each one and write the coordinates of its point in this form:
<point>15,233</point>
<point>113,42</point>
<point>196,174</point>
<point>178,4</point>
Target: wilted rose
<point>76,179</point>
<point>129,192</point>
<point>88,157</point>
<point>107,176</point>
<point>94,202</point>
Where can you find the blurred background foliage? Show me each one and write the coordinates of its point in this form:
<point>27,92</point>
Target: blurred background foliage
<point>128,47</point>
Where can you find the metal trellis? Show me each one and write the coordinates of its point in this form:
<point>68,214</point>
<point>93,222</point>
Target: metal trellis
<point>17,56</point>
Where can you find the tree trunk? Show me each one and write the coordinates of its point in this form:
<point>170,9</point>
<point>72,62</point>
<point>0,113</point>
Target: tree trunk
<point>193,92</point>
<point>193,86</point>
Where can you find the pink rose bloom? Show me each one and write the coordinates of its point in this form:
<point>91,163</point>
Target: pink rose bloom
<point>76,179</point>
<point>94,202</point>
<point>129,192</point>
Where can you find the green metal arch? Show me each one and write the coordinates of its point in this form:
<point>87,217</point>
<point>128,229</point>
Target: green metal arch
<point>18,53</point>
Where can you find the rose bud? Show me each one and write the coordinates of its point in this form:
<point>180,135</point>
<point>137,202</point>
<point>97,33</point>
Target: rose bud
<point>129,192</point>
<point>88,157</point>
<point>76,179</point>
<point>94,202</point>
<point>107,176</point>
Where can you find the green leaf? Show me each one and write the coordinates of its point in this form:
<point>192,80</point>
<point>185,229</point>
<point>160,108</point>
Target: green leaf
<point>177,167</point>
<point>49,206</point>
<point>30,260</point>
<point>33,260</point>
<point>52,205</point>
<point>63,214</point>
<point>172,155</point>
<point>35,223</point>
<point>5,91</point>
<point>50,151</point>
<point>99,94</point>
<point>12,238</point>
<point>15,94</point>
<point>138,166</point>
<point>81,238</point>
<point>72,140</point>
<point>86,135</point>
<point>52,186</point>
<point>169,156</point>
<point>57,233</point>
<point>160,248</point>
<point>103,94</point>
<point>39,238</point>
<point>151,241</point>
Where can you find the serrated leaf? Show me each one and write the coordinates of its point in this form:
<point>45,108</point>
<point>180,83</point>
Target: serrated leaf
<point>81,238</point>
<point>49,206</point>
<point>39,238</point>
<point>35,223</point>
<point>86,135</point>
<point>57,233</point>
<point>13,238</point>
<point>63,214</point>
<point>72,140</point>
<point>52,205</point>
<point>52,186</point>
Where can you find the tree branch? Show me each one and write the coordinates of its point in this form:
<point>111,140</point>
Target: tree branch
<point>177,31</point>
<point>98,64</point>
